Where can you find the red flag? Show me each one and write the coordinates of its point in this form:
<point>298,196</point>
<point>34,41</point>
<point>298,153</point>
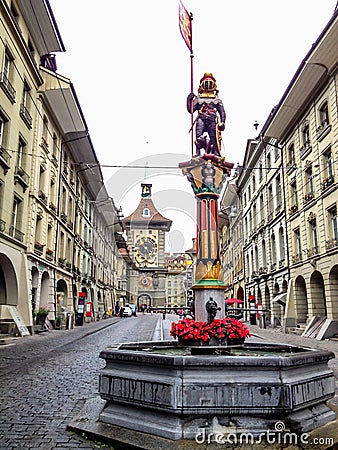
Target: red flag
<point>185,25</point>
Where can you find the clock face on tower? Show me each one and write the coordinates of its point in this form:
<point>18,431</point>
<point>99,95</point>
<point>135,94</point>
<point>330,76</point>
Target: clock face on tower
<point>146,249</point>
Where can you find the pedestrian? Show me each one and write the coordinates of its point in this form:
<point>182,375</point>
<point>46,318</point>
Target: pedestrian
<point>121,311</point>
<point>117,309</point>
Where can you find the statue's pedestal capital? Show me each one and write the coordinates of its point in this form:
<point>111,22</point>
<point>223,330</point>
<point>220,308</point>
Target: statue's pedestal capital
<point>206,174</point>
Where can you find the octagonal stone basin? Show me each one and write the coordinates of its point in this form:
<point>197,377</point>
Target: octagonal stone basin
<point>176,392</point>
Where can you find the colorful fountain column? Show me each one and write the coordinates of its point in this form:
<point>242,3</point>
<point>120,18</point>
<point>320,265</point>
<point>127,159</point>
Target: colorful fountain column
<point>206,175</point>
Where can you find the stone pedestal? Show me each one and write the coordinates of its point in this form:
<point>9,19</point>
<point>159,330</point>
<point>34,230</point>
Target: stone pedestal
<point>201,298</point>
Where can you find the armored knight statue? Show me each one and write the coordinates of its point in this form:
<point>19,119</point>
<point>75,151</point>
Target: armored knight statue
<point>211,116</point>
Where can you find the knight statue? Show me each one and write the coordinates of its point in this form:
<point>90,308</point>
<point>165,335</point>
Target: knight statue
<point>211,116</point>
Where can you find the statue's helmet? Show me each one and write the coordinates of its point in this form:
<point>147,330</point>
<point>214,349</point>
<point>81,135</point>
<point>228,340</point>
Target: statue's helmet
<point>208,84</point>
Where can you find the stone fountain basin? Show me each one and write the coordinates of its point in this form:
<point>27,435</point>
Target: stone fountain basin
<point>174,392</point>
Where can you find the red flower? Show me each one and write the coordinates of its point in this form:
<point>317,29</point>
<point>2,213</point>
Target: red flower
<point>219,329</point>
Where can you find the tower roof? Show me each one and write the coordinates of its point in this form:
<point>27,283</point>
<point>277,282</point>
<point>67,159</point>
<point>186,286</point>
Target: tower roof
<point>146,215</point>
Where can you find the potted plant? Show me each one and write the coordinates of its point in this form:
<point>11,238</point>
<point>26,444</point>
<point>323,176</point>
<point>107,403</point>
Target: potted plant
<point>41,315</point>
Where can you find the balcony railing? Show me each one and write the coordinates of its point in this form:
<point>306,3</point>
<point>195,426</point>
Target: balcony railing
<point>44,144</point>
<point>312,251</point>
<point>21,177</point>
<point>38,248</point>
<point>327,182</point>
<point>332,243</point>
<point>308,197</point>
<point>305,149</point>
<point>296,258</point>
<point>323,130</point>
<point>62,262</point>
<point>25,116</point>
<point>43,197</point>
<point>7,87</point>
<point>293,209</point>
<point>5,159</point>
<point>52,207</point>
<point>16,234</point>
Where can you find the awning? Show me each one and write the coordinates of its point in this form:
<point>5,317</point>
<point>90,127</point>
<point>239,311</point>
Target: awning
<point>280,299</point>
<point>231,301</point>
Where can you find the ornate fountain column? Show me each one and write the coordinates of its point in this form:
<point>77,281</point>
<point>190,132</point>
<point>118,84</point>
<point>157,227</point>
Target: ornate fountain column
<point>206,175</point>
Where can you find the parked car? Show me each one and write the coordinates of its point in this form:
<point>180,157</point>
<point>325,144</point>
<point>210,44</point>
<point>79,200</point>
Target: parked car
<point>127,312</point>
<point>133,308</point>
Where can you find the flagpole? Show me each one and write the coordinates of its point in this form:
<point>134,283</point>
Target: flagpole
<point>192,89</point>
<point>185,25</point>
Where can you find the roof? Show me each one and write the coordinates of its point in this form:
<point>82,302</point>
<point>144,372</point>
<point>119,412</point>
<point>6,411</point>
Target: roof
<point>316,67</point>
<point>152,220</point>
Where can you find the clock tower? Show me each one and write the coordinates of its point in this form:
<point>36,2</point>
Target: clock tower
<point>146,229</point>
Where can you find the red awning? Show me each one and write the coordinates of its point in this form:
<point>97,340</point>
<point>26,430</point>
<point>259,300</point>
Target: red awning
<point>231,301</point>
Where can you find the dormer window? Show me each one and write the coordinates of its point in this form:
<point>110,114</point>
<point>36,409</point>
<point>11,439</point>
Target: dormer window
<point>146,212</point>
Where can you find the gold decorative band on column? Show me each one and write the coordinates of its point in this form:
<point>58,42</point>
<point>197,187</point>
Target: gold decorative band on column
<point>208,271</point>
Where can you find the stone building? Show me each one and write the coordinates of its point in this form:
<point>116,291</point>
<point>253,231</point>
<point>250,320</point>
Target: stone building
<point>179,279</point>
<point>288,199</point>
<point>146,228</point>
<point>57,222</point>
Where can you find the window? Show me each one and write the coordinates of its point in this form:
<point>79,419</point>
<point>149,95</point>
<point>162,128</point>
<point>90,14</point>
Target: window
<point>6,76</point>
<point>281,244</point>
<point>328,163</point>
<point>253,184</point>
<point>256,258</point>
<point>268,161</point>
<point>313,238</point>
<point>324,115</point>
<point>262,207</point>
<point>31,48</point>
<point>45,128</point>
<point>293,196</point>
<point>260,172</point>
<point>270,199</point>
<point>16,223</point>
<point>25,104</point>
<point>21,153</point>
<point>15,13</point>
<point>278,191</point>
<point>309,188</point>
<point>3,131</point>
<point>291,155</point>
<point>297,245</point>
<point>55,146</point>
<point>306,136</point>
<point>254,216</point>
<point>264,253</point>
<point>146,212</point>
<point>273,248</point>
<point>333,222</point>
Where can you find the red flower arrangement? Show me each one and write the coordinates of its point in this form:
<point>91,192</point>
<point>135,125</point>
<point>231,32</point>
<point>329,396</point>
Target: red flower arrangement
<point>189,329</point>
<point>229,327</point>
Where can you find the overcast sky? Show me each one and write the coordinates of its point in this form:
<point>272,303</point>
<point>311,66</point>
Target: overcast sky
<point>131,71</point>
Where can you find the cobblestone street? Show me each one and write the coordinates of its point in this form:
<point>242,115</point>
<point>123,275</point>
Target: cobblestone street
<point>45,379</point>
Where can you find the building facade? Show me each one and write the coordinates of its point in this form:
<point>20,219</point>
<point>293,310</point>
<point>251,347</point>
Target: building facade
<point>288,196</point>
<point>146,229</point>
<point>57,223</point>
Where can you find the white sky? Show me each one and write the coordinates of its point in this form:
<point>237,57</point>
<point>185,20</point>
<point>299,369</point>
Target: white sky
<point>131,72</point>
